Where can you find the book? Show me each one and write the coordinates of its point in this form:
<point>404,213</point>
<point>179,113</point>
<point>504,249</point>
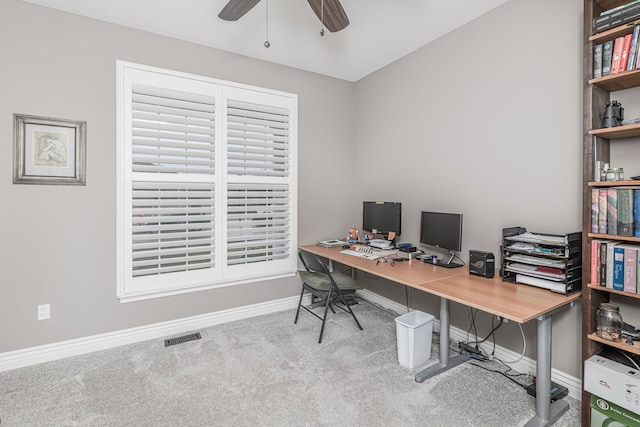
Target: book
<point>609,264</point>
<point>631,65</point>
<point>624,56</point>
<point>616,54</point>
<point>618,267</point>
<point>625,212</point>
<point>597,61</point>
<point>595,262</point>
<point>594,209</point>
<point>607,52</point>
<point>637,275</point>
<point>602,281</point>
<point>616,19</point>
<point>636,212</point>
<point>618,8</point>
<point>612,211</point>
<point>630,268</point>
<point>602,211</point>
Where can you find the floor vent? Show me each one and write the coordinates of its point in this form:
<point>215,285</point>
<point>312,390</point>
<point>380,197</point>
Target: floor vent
<point>180,340</point>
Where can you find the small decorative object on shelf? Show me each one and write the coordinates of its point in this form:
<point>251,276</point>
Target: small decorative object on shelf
<point>353,234</point>
<point>615,174</point>
<point>609,322</point>
<point>613,115</point>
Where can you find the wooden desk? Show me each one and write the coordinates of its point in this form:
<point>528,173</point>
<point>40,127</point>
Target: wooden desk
<point>518,303</point>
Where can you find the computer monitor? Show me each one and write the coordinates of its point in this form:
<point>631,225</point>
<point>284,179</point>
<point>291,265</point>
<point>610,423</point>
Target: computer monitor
<point>442,230</point>
<point>382,217</point>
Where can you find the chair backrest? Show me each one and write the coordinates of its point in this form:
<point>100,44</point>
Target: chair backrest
<point>313,263</point>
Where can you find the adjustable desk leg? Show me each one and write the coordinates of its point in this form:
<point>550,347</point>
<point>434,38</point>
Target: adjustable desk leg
<point>407,292</point>
<point>547,413</point>
<point>445,363</point>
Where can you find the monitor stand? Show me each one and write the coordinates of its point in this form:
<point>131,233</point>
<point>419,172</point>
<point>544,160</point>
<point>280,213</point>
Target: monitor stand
<point>447,261</point>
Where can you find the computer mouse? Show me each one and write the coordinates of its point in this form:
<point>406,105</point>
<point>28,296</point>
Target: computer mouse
<point>346,246</point>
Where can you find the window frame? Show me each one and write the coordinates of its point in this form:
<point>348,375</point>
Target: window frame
<point>130,288</point>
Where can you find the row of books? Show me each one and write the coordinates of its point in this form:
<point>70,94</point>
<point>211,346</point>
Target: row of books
<point>617,56</point>
<point>617,16</point>
<point>616,211</point>
<point>615,265</point>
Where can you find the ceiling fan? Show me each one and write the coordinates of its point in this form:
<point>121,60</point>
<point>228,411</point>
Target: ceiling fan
<point>333,17</point>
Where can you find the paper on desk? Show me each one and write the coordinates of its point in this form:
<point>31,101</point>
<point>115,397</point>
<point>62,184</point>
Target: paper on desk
<point>537,238</point>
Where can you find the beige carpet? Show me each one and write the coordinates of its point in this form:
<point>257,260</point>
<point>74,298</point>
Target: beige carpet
<point>264,371</point>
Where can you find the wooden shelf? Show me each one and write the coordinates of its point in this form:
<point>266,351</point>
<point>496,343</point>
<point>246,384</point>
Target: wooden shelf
<point>613,291</point>
<point>625,183</point>
<point>618,81</point>
<point>622,345</point>
<point>617,132</point>
<point>609,236</point>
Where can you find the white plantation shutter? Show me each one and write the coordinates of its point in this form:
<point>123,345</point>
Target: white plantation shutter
<point>173,132</point>
<point>173,227</point>
<point>258,223</point>
<point>207,191</point>
<point>257,140</point>
<point>259,199</point>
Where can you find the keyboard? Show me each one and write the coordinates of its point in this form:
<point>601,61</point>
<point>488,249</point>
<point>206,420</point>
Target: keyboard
<point>368,253</point>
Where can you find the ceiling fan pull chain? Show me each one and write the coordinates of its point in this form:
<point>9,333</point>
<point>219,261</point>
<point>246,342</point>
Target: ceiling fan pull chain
<point>266,43</point>
<point>322,18</point>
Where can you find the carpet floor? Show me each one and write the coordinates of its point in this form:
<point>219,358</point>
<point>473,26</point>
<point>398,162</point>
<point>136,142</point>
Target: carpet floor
<point>266,371</point>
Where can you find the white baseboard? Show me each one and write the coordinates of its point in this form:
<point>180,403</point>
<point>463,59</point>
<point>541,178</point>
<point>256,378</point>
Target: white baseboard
<point>60,350</point>
<point>524,365</point>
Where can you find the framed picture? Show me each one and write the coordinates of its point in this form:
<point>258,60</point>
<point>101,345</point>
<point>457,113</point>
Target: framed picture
<point>48,150</point>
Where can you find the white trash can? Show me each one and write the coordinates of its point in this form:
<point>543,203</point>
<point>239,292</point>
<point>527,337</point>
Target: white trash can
<point>414,330</point>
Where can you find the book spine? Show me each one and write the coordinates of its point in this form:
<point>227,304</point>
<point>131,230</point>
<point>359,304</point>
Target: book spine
<point>624,57</point>
<point>607,53</point>
<point>634,48</point>
<point>612,211</point>
<point>637,275</point>
<point>617,54</point>
<point>595,194</point>
<point>602,211</point>
<point>597,61</point>
<point>595,262</point>
<point>630,262</point>
<point>603,264</point>
<point>625,212</point>
<point>636,212</point>
<point>609,269</point>
<point>618,268</point>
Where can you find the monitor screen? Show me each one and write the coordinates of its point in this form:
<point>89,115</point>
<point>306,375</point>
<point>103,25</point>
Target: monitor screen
<point>443,230</point>
<point>382,217</point>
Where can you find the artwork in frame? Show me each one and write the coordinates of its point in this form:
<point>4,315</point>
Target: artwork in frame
<point>49,150</point>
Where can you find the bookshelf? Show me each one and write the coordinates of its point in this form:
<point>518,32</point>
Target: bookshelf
<point>597,144</point>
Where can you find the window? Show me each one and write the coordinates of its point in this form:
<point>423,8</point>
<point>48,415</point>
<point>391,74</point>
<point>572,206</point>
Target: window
<point>206,183</point>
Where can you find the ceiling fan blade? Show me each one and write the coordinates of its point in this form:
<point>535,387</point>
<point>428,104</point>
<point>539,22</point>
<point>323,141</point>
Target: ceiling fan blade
<point>236,9</point>
<point>335,18</point>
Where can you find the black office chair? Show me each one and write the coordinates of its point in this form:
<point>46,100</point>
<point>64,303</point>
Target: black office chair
<point>330,288</point>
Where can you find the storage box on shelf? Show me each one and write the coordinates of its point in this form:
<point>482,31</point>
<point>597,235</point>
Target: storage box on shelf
<point>596,147</point>
<point>549,261</point>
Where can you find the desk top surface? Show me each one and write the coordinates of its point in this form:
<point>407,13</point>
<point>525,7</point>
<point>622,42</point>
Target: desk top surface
<point>517,302</point>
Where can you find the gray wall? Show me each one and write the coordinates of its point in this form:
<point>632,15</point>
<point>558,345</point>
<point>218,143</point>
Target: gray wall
<point>59,242</point>
<point>485,121</point>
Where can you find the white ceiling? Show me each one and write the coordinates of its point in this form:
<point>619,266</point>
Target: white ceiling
<point>380,31</point>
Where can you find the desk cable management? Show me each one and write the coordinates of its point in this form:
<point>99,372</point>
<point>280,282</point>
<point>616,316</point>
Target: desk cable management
<point>471,347</point>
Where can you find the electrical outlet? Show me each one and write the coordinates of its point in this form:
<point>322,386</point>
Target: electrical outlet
<point>44,311</point>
